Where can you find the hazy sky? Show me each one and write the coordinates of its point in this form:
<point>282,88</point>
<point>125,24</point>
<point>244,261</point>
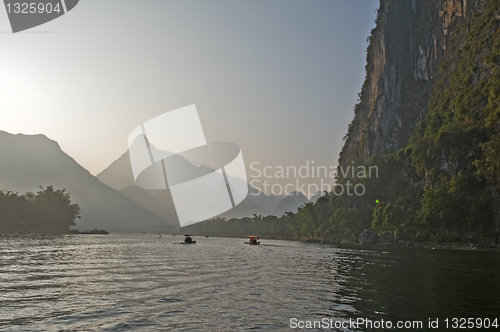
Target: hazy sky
<point>279,78</point>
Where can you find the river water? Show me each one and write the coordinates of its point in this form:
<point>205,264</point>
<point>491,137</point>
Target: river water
<point>127,282</point>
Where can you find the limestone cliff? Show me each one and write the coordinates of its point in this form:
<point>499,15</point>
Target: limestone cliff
<point>406,49</point>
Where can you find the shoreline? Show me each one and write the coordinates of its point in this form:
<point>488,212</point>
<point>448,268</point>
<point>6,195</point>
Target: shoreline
<point>4,231</point>
<point>398,243</point>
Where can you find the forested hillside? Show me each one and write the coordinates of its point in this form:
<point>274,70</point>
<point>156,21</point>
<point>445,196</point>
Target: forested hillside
<point>429,118</point>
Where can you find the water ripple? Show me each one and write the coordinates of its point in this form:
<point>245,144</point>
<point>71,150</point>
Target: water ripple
<point>145,283</point>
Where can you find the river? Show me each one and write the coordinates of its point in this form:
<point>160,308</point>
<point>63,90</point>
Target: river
<point>127,282</point>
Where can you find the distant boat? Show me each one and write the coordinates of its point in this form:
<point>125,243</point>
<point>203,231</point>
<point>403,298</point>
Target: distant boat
<point>206,235</point>
<point>95,231</point>
<point>188,240</point>
<point>252,241</point>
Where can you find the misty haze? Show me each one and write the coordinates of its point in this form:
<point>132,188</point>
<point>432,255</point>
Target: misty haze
<point>247,165</point>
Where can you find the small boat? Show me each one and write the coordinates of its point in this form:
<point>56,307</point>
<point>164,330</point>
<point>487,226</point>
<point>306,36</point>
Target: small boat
<point>96,231</point>
<point>188,240</point>
<point>253,240</point>
<point>206,235</point>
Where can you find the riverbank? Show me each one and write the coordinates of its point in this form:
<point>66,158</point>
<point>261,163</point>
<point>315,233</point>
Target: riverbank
<point>23,231</point>
<point>396,243</point>
<point>11,231</point>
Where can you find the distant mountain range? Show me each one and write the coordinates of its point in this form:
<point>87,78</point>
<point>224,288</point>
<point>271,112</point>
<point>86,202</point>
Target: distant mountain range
<point>30,161</point>
<point>119,176</point>
<point>110,200</point>
<point>293,201</point>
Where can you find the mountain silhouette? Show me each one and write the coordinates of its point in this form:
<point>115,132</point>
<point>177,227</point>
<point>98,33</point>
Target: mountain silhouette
<point>291,203</point>
<point>30,161</point>
<point>118,175</point>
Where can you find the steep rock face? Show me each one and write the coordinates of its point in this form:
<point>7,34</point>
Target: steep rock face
<point>403,60</point>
